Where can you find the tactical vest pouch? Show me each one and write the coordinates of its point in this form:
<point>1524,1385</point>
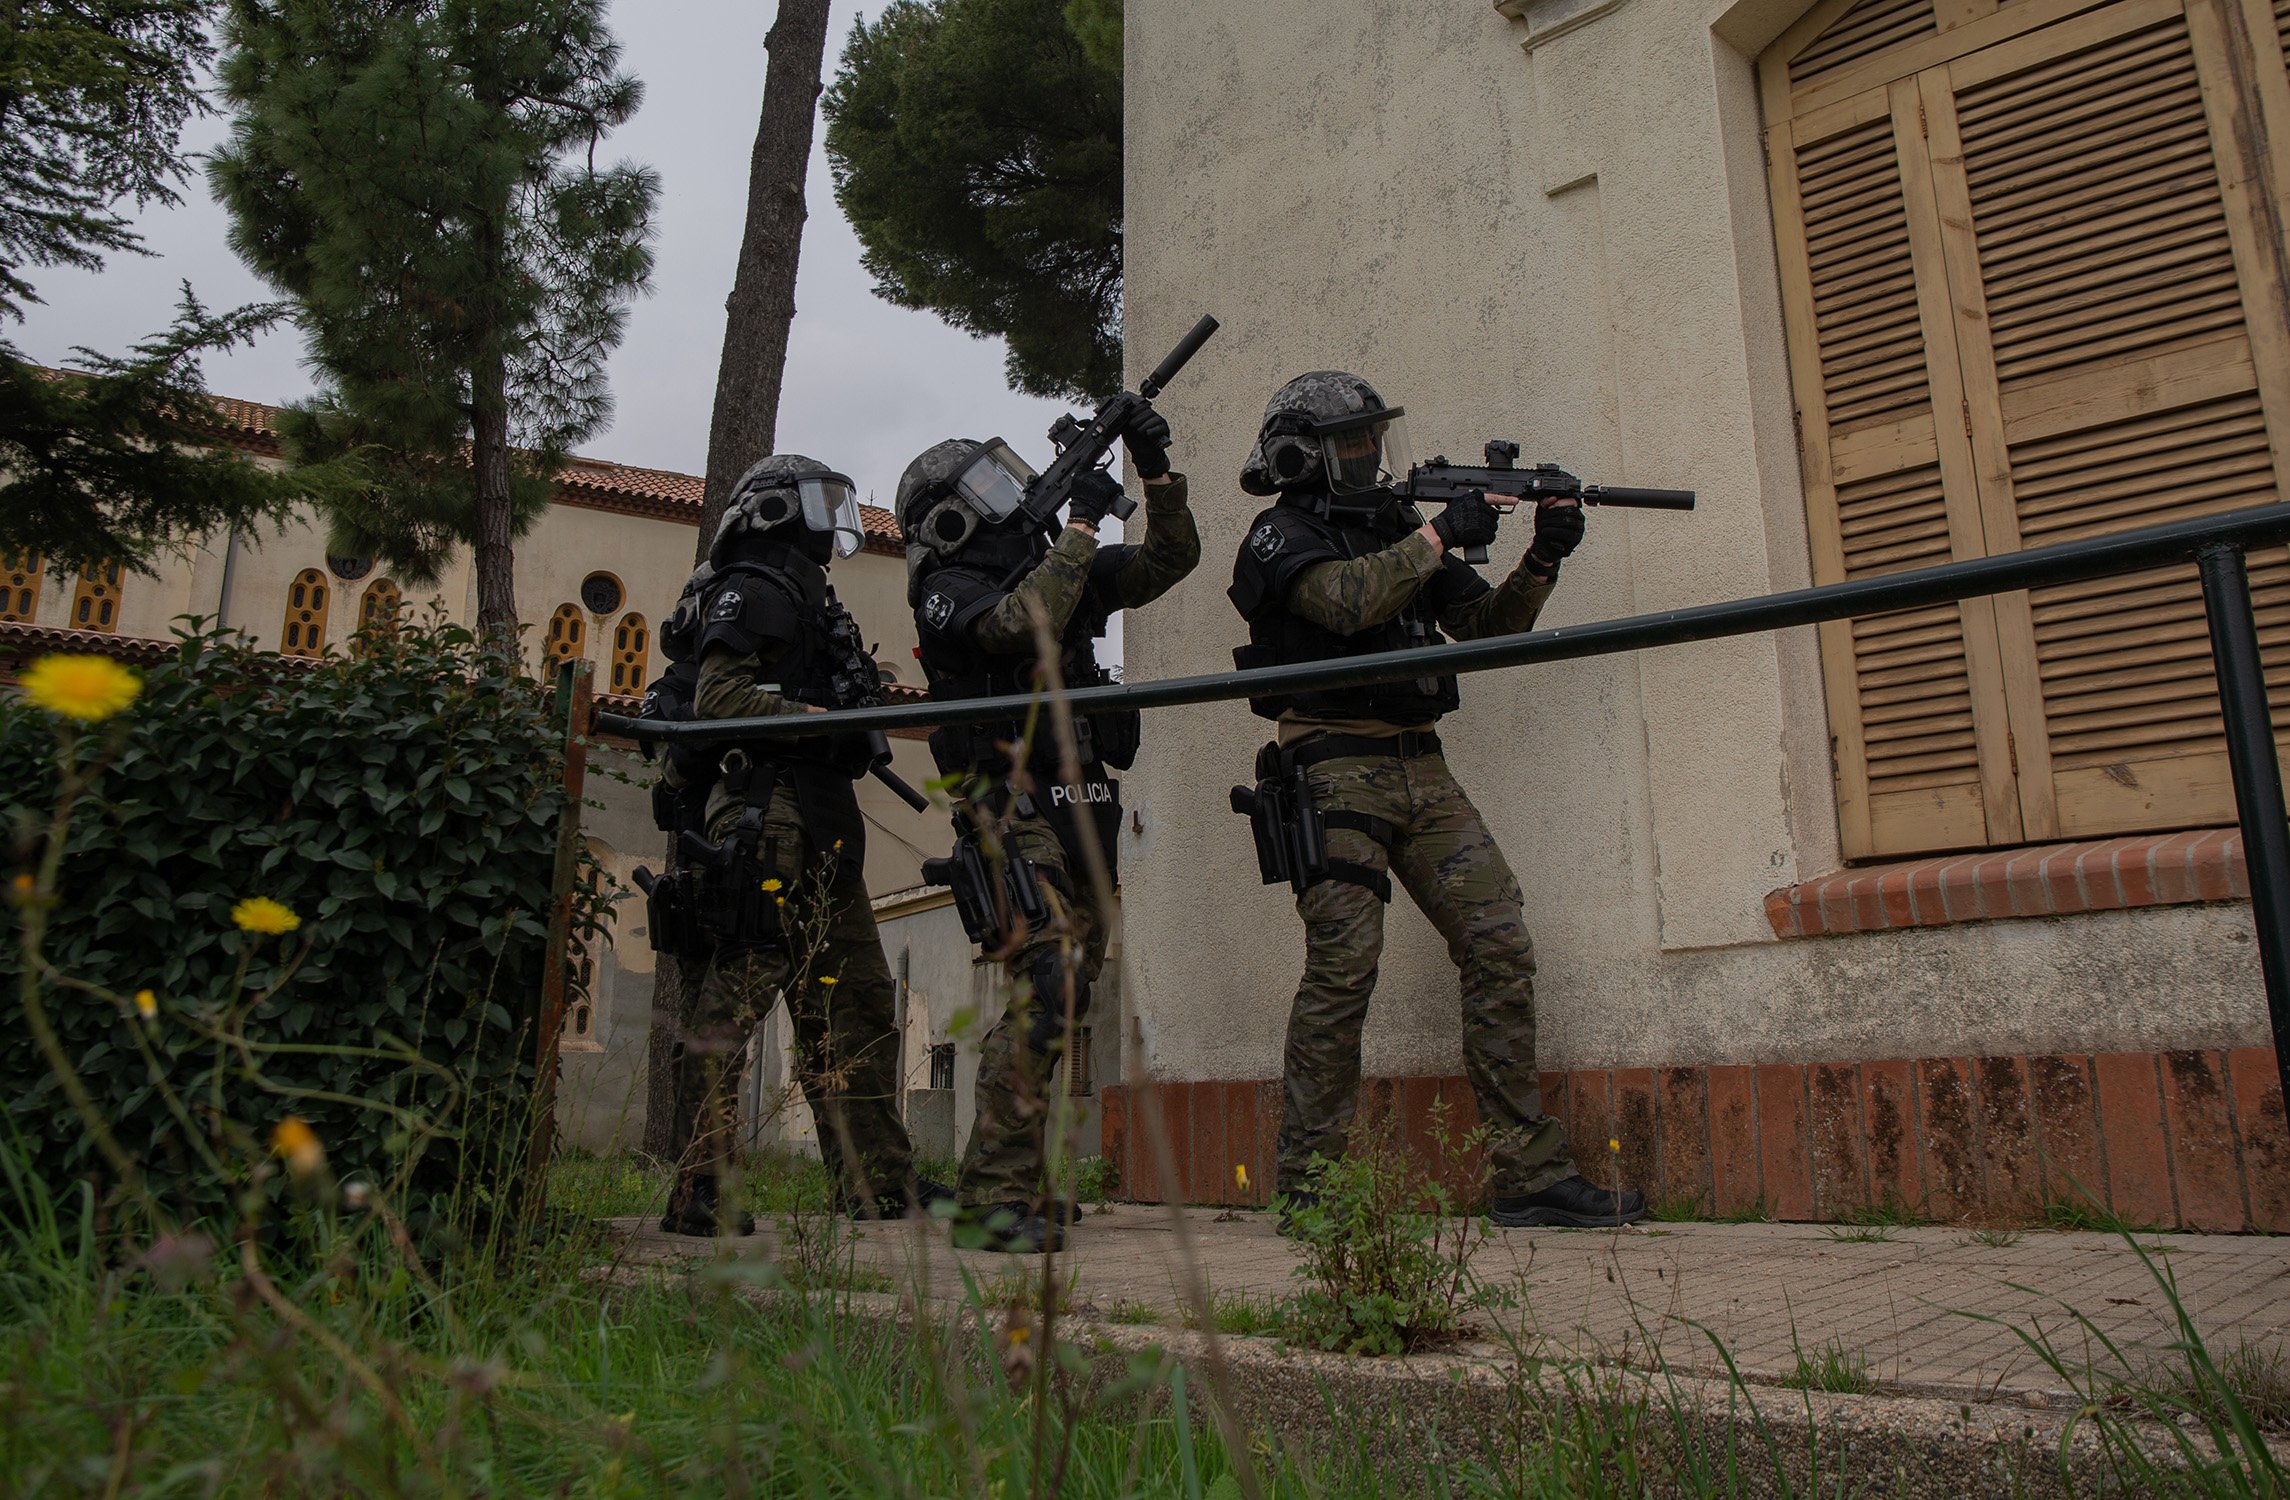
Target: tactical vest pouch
<point>1117,735</point>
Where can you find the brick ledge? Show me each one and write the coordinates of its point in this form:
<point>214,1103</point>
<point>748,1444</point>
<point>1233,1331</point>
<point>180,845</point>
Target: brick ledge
<point>2164,869</point>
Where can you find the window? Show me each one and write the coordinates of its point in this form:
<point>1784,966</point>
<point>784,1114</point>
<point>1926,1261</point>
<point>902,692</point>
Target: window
<point>2023,308</point>
<point>567,638</point>
<point>306,598</point>
<point>19,586</point>
<point>602,593</point>
<point>95,601</point>
<point>577,1033</point>
<point>631,654</point>
<point>349,568</point>
<point>378,607</point>
<point>942,1066</point>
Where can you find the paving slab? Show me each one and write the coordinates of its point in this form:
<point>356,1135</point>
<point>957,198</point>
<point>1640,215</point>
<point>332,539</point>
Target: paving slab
<point>1912,1305</point>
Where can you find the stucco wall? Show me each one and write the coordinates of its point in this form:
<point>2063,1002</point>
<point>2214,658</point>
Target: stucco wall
<point>1567,245</point>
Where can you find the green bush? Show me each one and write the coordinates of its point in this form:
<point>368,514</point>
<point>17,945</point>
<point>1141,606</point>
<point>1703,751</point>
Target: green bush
<point>404,802</point>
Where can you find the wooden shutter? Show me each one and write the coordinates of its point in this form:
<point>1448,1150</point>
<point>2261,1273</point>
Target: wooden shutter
<point>1915,698</point>
<point>2085,229</point>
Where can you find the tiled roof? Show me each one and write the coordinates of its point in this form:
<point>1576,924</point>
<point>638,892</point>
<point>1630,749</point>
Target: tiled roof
<point>19,641</point>
<point>594,482</point>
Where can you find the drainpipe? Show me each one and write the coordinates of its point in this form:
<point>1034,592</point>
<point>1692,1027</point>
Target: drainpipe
<point>906,970</point>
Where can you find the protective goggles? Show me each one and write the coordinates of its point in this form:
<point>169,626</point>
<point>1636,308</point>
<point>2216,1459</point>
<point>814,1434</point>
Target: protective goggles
<point>1363,451</point>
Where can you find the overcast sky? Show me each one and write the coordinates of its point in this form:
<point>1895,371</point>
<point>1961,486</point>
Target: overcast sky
<point>868,385</point>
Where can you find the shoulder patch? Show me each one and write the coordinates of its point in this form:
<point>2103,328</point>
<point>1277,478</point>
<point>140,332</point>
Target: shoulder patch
<point>1266,541</point>
<point>937,609</point>
<point>727,606</point>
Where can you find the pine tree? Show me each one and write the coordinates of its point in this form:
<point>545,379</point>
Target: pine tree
<point>420,179</point>
<point>112,463</point>
<point>977,151</point>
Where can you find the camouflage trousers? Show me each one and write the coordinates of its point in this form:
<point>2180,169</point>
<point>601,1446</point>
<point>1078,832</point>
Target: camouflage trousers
<point>1050,970</point>
<point>842,1001</point>
<point>1447,862</point>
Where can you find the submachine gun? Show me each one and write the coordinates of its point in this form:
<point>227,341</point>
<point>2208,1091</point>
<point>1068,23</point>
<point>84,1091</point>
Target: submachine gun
<point>1439,482</point>
<point>1084,446</point>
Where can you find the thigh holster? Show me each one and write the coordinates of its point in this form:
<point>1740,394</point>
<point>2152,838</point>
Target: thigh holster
<point>995,907</point>
<point>1291,828</point>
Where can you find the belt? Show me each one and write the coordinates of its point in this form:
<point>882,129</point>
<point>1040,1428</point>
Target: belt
<point>1405,745</point>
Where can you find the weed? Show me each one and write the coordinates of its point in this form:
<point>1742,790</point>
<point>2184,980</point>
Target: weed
<point>1996,1237</point>
<point>1132,1313</point>
<point>1385,1255</point>
<point>1860,1234</point>
<point>1832,1368</point>
<point>1096,1180</point>
<point>1889,1212</point>
<point>2079,1211</point>
<point>1243,1316</point>
<point>2257,1376</point>
<point>1756,1211</point>
<point>1679,1208</point>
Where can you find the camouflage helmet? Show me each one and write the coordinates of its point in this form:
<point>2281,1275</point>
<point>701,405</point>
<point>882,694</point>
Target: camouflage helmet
<point>1287,455</point>
<point>789,490</point>
<point>955,487</point>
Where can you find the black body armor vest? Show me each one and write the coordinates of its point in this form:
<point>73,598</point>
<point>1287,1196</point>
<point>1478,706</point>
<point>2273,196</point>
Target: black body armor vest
<point>1281,544</point>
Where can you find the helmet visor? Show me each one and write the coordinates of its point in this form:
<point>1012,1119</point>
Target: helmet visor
<point>831,504</point>
<point>995,482</point>
<point>1362,452</point>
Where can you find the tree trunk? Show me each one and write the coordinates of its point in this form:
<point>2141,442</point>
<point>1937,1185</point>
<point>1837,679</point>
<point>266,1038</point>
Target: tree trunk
<point>762,303</point>
<point>496,555</point>
<point>757,316</point>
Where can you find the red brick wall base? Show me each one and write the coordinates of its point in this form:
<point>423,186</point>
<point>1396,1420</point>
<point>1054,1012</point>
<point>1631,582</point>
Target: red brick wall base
<point>2192,1139</point>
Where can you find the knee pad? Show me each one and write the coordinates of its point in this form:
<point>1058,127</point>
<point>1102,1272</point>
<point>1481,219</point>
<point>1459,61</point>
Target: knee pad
<point>1045,1028</point>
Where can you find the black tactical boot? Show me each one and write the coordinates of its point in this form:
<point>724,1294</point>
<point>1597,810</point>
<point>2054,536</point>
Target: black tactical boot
<point>1067,1212</point>
<point>900,1203</point>
<point>1007,1228</point>
<point>1285,1206</point>
<point>692,1208</point>
<point>1573,1203</point>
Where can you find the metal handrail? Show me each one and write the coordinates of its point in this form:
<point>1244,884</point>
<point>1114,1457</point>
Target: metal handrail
<point>2217,543</point>
<point>2067,562</point>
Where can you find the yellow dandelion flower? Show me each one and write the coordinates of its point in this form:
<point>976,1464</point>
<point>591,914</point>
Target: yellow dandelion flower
<point>773,884</point>
<point>263,915</point>
<point>1240,1175</point>
<point>827,979</point>
<point>1612,1144</point>
<point>294,1142</point>
<point>22,889</point>
<point>86,688</point>
<point>1020,1334</point>
<point>147,1005</point>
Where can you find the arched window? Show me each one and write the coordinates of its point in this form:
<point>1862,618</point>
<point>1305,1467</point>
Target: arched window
<point>568,636</point>
<point>306,599</point>
<point>378,606</point>
<point>631,654</point>
<point>95,603</point>
<point>19,585</point>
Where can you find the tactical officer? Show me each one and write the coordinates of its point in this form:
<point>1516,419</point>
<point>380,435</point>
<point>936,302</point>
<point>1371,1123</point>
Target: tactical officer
<point>780,900</point>
<point>980,573</point>
<point>1340,566</point>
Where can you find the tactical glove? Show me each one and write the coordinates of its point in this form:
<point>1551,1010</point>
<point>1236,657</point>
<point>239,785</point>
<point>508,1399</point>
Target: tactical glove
<point>1093,495</point>
<point>1147,439</point>
<point>1467,522</point>
<point>1558,531</point>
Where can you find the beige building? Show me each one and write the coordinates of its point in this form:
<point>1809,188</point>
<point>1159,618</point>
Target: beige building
<point>1938,908</point>
<point>595,576</point>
